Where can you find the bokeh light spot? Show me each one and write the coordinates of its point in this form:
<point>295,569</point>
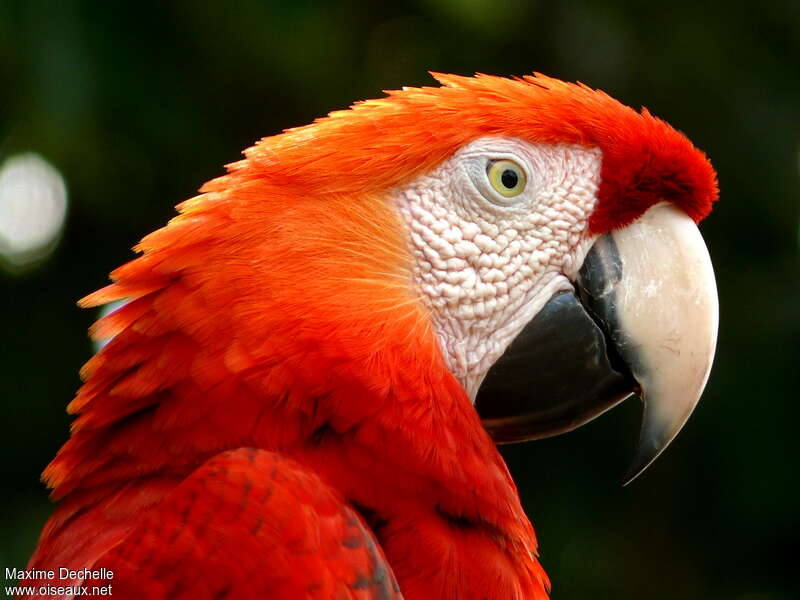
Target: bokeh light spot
<point>33,208</point>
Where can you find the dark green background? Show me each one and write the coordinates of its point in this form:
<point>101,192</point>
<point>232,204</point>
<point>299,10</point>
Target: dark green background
<point>137,104</point>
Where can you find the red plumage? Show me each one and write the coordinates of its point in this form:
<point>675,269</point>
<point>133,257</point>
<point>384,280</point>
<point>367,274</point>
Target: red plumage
<point>302,540</point>
<point>274,312</point>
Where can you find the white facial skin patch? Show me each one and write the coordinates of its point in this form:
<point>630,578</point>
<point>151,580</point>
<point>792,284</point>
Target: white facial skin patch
<point>494,240</point>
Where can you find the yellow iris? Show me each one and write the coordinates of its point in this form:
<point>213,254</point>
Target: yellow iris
<point>507,178</point>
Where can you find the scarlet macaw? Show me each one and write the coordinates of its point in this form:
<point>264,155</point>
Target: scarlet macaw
<point>287,406</point>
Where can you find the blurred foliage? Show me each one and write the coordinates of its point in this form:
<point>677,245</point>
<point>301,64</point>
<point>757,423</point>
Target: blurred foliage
<point>138,103</point>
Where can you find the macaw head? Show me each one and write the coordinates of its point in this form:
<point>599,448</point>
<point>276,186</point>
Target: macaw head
<point>536,238</point>
<point>557,252</point>
<point>352,290</point>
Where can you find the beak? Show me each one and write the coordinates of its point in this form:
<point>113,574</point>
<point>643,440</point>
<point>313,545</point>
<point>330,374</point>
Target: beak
<point>642,320</point>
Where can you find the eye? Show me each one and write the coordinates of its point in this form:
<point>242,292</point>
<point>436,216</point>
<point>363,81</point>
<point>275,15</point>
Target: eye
<point>507,177</point>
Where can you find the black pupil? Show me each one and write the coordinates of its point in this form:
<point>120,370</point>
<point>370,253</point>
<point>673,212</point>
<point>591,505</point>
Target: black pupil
<point>509,179</point>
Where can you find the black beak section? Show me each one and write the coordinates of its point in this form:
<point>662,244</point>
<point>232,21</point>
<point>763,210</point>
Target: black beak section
<point>641,320</point>
<point>583,377</point>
